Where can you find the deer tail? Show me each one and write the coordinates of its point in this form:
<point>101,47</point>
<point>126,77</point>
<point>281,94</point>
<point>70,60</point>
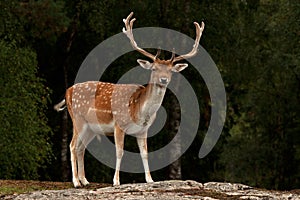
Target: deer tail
<point>60,106</point>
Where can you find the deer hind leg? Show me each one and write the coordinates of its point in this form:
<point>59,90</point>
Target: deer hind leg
<point>85,137</point>
<point>119,143</point>
<point>142,143</point>
<point>73,144</point>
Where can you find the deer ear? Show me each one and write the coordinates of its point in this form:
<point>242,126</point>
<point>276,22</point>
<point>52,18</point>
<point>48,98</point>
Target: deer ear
<point>144,63</point>
<point>179,67</point>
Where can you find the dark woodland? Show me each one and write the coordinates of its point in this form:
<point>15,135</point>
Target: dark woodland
<point>254,43</point>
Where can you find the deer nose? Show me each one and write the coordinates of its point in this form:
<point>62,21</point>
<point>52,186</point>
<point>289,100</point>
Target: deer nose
<point>163,80</point>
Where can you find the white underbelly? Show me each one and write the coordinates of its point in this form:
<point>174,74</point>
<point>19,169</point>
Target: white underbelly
<point>102,128</point>
<point>135,129</point>
<point>130,129</point>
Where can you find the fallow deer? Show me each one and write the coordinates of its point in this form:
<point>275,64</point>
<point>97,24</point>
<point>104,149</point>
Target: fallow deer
<point>99,108</point>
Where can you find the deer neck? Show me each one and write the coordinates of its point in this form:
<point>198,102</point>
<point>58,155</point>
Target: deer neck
<point>154,94</point>
<point>145,102</point>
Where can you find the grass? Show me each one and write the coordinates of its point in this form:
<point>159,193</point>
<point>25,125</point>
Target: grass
<point>9,187</point>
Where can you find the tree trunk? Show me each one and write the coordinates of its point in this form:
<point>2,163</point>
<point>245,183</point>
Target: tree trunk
<point>174,109</point>
<point>65,164</point>
<point>65,167</point>
<point>175,167</point>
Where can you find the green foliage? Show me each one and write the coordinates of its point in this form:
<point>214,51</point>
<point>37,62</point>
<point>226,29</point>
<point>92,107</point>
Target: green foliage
<point>29,21</point>
<point>262,149</point>
<point>24,133</point>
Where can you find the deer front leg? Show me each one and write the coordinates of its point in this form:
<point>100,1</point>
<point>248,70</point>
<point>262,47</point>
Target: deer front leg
<point>119,143</point>
<point>142,143</point>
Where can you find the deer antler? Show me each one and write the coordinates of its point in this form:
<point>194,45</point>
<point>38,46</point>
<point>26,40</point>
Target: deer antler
<point>199,30</point>
<point>173,56</point>
<point>128,32</point>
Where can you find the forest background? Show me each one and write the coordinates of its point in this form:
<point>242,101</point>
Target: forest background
<point>254,43</point>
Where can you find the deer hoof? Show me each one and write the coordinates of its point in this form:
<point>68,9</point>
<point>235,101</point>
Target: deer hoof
<point>84,182</point>
<point>76,183</point>
<point>149,180</point>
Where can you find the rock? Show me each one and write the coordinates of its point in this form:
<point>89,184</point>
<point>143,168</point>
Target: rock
<point>246,192</point>
<point>226,187</point>
<point>167,190</point>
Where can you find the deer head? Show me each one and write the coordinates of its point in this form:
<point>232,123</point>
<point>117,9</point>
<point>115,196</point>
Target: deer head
<point>161,69</point>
